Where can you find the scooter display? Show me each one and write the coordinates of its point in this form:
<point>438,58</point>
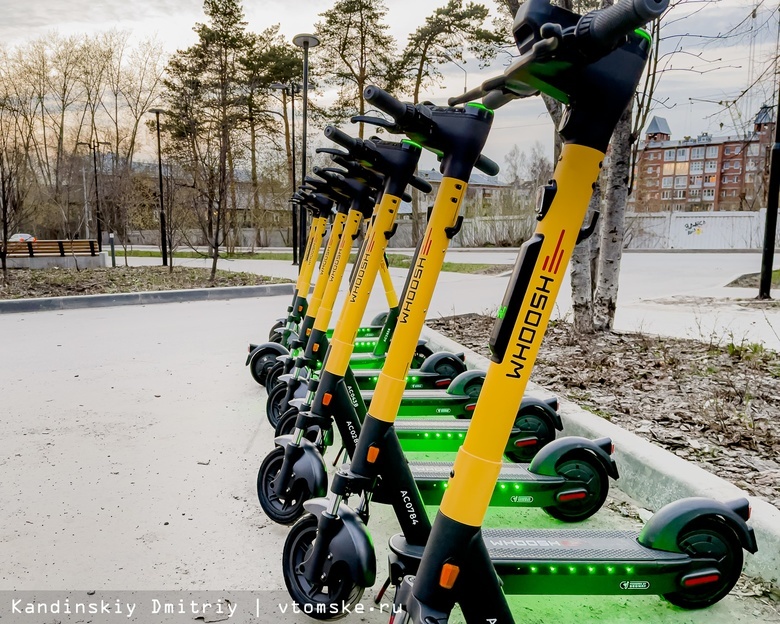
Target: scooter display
<point>690,551</point>
<point>572,493</point>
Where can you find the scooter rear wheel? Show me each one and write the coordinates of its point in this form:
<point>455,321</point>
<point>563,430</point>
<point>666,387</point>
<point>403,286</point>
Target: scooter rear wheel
<point>325,601</point>
<point>272,377</point>
<point>282,509</point>
<point>710,538</point>
<point>582,466</point>
<point>379,320</point>
<point>531,423</point>
<point>275,405</point>
<point>421,353</point>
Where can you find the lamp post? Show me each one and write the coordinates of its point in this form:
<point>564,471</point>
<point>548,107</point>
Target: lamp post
<point>291,89</point>
<point>304,41</point>
<point>95,146</point>
<point>448,56</point>
<point>163,233</point>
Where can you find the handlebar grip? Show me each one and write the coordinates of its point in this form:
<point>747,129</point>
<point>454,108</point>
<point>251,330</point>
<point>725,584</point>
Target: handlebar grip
<point>339,137</point>
<point>420,184</point>
<point>384,102</point>
<point>487,166</point>
<point>606,26</point>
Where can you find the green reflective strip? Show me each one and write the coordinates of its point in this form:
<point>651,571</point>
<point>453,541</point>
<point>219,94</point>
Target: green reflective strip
<point>478,105</point>
<point>501,312</point>
<point>643,33</point>
<point>408,142</point>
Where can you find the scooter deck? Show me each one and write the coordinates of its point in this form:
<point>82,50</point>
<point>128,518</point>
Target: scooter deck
<point>516,486</point>
<point>432,435</point>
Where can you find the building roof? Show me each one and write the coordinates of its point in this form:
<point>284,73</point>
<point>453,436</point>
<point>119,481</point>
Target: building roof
<point>658,125</point>
<point>764,115</point>
<point>476,179</point>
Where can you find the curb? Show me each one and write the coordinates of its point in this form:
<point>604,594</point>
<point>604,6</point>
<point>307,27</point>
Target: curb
<point>651,475</point>
<point>43,304</point>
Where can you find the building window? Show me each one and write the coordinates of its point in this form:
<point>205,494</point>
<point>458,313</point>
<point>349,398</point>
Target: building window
<point>723,193</point>
<point>749,177</point>
<point>697,153</point>
<point>695,180</point>
<point>669,154</point>
<point>726,165</point>
<point>712,151</point>
<point>709,180</point>
<point>678,207</point>
<point>682,153</point>
<point>710,166</point>
<point>649,170</point>
<point>697,167</point>
<point>737,149</point>
<point>693,193</point>
<point>737,164</point>
<point>727,150</point>
<point>666,195</point>
<point>733,193</point>
<point>681,182</point>
<point>679,194</point>
<point>667,182</point>
<point>681,168</point>
<point>709,194</point>
<point>709,206</point>
<point>668,168</point>
<point>752,149</point>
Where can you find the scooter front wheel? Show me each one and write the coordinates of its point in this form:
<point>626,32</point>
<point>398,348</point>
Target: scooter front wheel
<point>261,364</point>
<point>272,377</point>
<point>334,595</point>
<point>275,405</point>
<point>713,539</point>
<point>275,329</point>
<point>284,508</point>
<point>581,466</point>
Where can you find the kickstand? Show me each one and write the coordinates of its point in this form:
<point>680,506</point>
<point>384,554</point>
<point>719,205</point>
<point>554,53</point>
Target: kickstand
<point>381,592</point>
<point>341,451</point>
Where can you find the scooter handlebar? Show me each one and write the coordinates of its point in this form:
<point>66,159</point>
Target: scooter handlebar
<point>605,27</point>
<point>385,102</point>
<point>487,166</point>
<point>339,137</point>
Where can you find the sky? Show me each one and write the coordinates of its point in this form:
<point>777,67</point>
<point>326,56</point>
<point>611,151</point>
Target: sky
<point>704,72</point>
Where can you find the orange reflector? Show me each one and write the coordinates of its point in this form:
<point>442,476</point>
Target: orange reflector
<point>308,332</point>
<point>449,573</point>
<point>373,453</point>
<point>300,308</point>
<point>326,399</point>
<point>316,347</point>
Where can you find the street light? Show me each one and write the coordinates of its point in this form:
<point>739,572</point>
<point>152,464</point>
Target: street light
<point>304,41</point>
<point>163,235</point>
<point>447,55</point>
<point>95,146</point>
<point>291,89</point>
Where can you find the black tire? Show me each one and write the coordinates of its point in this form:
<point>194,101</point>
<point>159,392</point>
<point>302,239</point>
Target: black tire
<point>447,368</point>
<point>272,378</point>
<point>260,364</point>
<point>275,405</point>
<point>275,329</point>
<point>582,466</point>
<point>340,588</point>
<point>709,537</point>
<point>379,320</point>
<point>276,337</point>
<point>421,353</point>
<point>281,509</point>
<point>533,422</point>
<point>286,424</point>
<point>474,387</point>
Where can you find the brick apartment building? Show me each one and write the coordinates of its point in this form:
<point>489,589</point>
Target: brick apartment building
<point>705,173</point>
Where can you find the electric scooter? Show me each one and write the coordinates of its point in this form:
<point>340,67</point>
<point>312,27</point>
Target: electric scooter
<point>573,493</point>
<point>690,552</point>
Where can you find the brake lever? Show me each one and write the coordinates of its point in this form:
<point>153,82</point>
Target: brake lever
<point>332,151</point>
<point>390,126</point>
<point>420,184</point>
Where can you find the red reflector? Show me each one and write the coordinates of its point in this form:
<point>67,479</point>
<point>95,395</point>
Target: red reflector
<point>471,407</point>
<point>693,581</point>
<point>612,449</point>
<point>570,496</point>
<point>526,442</point>
<point>443,383</point>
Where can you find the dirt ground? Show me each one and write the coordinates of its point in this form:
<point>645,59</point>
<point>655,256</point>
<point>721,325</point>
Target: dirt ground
<point>714,403</point>
<point>56,282</point>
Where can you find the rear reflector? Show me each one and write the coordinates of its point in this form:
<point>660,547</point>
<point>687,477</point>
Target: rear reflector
<point>526,442</point>
<point>571,495</point>
<point>471,407</point>
<point>694,580</point>
<point>443,383</point>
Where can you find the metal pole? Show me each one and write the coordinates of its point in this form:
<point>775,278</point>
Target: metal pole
<point>163,231</point>
<point>302,215</point>
<point>95,146</point>
<point>294,181</point>
<point>770,228</point>
<point>113,251</point>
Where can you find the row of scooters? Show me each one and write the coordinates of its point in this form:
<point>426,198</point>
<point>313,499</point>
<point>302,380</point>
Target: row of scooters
<point>387,394</point>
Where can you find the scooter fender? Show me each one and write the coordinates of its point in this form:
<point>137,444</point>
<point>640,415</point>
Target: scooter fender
<point>545,405</point>
<point>266,347</point>
<point>351,544</point>
<point>309,466</point>
<point>545,460</point>
<point>663,530</point>
<point>458,385</point>
<point>456,359</point>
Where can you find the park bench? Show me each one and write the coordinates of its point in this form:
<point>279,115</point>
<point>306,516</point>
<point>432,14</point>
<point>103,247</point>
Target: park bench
<point>33,249</point>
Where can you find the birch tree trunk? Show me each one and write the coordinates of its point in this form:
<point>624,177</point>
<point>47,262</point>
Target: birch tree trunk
<point>582,273</point>
<point>613,228</point>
